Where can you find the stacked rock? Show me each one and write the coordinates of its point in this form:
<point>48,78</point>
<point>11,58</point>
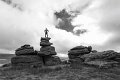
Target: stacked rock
<point>75,53</point>
<point>48,52</point>
<point>26,57</point>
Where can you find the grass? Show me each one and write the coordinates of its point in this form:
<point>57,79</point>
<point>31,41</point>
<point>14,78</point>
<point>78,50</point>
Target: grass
<point>61,72</point>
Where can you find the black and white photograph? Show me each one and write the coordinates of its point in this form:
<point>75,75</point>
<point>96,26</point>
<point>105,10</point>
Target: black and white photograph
<point>59,39</point>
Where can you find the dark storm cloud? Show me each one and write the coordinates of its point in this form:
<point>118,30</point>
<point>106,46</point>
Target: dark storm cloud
<point>64,22</point>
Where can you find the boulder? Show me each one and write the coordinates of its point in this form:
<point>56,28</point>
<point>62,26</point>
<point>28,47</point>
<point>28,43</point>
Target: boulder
<point>26,46</point>
<point>25,50</point>
<point>43,43</point>
<point>105,55</point>
<point>102,63</point>
<point>52,60</point>
<point>78,48</point>
<point>48,50</point>
<point>45,39</point>
<point>79,51</point>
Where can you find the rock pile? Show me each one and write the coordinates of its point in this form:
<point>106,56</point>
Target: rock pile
<point>26,57</point>
<point>85,55</point>
<point>75,53</point>
<point>48,52</point>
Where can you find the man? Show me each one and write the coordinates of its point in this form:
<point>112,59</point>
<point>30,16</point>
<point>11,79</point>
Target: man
<point>46,32</point>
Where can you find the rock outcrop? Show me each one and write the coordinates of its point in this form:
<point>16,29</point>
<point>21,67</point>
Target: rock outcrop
<point>48,52</point>
<point>75,53</point>
<point>26,57</point>
<point>27,61</point>
<point>85,55</point>
<point>25,50</point>
<point>105,55</point>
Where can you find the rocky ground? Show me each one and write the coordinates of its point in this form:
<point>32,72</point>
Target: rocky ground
<point>60,72</point>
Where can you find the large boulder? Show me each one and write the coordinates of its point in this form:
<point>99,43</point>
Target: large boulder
<point>48,50</point>
<point>25,50</point>
<point>52,60</point>
<point>79,51</point>
<point>105,55</point>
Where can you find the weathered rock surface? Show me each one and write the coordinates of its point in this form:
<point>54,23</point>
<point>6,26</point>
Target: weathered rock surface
<point>52,60</point>
<point>75,53</point>
<point>46,53</point>
<point>48,50</point>
<point>79,50</point>
<point>27,60</point>
<point>45,41</point>
<point>105,55</point>
<point>102,63</point>
<point>45,44</point>
<point>25,50</point>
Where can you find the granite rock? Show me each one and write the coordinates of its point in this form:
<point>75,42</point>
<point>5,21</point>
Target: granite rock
<point>52,60</point>
<point>105,55</point>
<point>25,50</point>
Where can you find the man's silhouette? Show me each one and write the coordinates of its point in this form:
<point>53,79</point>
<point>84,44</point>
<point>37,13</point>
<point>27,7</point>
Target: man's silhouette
<point>46,32</point>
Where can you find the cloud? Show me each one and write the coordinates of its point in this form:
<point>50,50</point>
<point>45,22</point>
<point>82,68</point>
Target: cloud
<point>66,16</point>
<point>23,22</point>
<point>107,15</point>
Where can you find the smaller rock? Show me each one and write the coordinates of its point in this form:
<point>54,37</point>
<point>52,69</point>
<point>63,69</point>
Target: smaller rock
<point>45,39</point>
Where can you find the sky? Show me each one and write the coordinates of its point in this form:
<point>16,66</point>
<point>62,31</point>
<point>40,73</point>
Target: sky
<point>24,21</point>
